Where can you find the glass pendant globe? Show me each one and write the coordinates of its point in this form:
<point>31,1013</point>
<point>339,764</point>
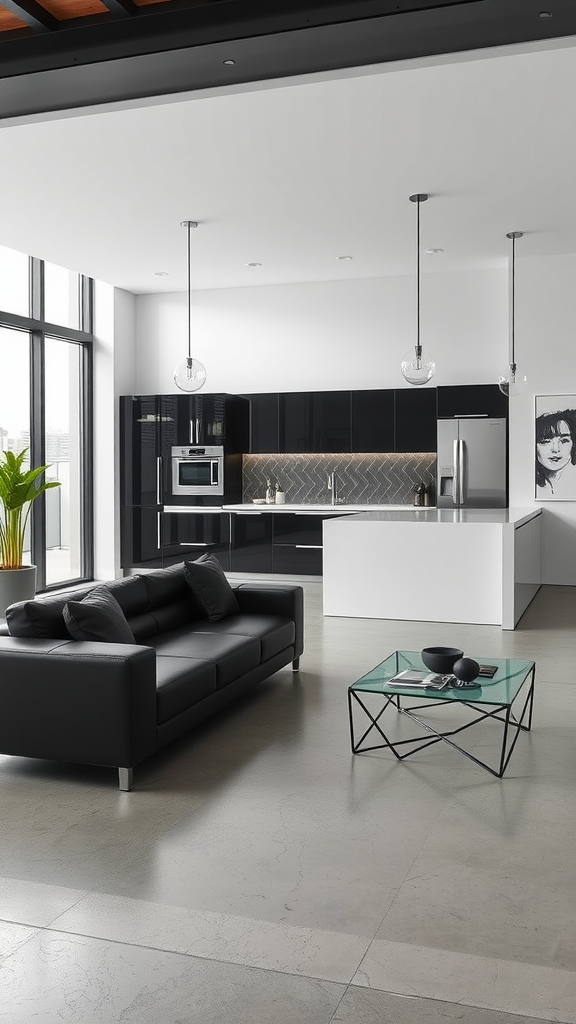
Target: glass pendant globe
<point>190,375</point>
<point>512,383</point>
<point>416,368</point>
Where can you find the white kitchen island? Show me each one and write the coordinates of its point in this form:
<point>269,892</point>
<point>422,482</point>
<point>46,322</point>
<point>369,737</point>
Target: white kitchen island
<point>433,565</point>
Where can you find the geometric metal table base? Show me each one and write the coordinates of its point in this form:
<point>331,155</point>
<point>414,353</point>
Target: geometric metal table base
<point>502,712</point>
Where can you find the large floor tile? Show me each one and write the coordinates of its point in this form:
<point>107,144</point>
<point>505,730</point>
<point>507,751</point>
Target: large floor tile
<point>12,936</point>
<point>76,980</point>
<point>494,984</point>
<point>34,903</point>
<point>332,956</point>
<point>368,1006</point>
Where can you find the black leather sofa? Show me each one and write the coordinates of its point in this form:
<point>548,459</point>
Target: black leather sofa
<point>115,704</point>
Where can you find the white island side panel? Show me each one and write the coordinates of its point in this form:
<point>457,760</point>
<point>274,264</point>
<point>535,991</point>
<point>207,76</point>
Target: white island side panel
<point>423,571</point>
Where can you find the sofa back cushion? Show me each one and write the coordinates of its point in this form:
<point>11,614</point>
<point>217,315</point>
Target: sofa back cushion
<point>42,618</point>
<point>212,592</point>
<point>97,617</point>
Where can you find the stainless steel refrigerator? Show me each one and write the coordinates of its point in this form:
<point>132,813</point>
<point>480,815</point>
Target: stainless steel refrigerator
<point>472,463</point>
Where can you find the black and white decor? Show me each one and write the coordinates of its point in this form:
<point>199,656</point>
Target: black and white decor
<point>555,447</point>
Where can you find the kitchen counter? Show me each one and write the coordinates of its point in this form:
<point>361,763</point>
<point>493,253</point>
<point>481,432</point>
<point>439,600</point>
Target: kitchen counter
<point>250,506</point>
<point>439,565</point>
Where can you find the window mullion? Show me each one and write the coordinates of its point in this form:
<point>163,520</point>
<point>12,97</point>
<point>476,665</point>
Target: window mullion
<point>38,453</point>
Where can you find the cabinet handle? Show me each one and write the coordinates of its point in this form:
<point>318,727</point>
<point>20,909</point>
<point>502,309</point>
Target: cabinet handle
<point>248,513</point>
<point>159,530</point>
<point>195,544</point>
<point>195,431</point>
<point>312,547</point>
<point>159,480</point>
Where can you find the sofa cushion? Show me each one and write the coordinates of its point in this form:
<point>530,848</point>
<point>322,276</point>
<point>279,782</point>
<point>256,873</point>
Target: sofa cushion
<point>166,586</point>
<point>180,683</point>
<point>130,593</point>
<point>42,618</point>
<point>97,617</point>
<point>232,656</point>
<point>211,589</point>
<point>274,632</point>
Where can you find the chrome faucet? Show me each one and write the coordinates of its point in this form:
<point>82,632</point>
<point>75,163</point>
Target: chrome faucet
<point>333,482</point>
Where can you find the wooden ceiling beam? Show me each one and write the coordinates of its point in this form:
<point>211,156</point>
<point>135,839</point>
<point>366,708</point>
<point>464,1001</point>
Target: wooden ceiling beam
<point>36,16</point>
<point>121,8</point>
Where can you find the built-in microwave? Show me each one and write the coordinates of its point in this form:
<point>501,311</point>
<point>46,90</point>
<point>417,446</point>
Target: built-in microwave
<point>198,470</point>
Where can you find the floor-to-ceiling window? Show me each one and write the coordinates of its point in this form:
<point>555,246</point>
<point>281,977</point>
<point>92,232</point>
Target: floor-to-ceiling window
<point>46,325</point>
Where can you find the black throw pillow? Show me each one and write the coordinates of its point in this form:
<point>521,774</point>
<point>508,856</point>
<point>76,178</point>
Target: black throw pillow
<point>213,594</point>
<point>98,616</point>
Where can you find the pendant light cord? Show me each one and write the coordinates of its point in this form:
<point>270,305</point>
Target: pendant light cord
<point>189,299</point>
<point>418,275</point>
<point>513,295</point>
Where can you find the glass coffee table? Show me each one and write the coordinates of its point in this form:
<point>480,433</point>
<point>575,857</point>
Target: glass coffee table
<point>507,698</point>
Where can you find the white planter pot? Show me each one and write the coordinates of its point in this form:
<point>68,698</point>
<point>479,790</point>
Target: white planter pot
<point>16,585</point>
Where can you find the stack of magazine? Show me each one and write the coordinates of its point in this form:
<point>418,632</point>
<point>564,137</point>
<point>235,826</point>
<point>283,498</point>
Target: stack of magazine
<point>412,679</point>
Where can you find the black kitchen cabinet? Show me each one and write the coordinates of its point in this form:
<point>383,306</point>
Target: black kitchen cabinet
<point>472,400</point>
<point>263,424</point>
<point>295,422</point>
<point>297,544</point>
<point>204,419</point>
<point>140,450</point>
<point>372,421</point>
<point>331,421</point>
<point>140,537</point>
<point>187,535</point>
<point>251,541</point>
<point>415,420</point>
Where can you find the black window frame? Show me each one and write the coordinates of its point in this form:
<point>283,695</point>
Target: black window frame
<point>38,329</point>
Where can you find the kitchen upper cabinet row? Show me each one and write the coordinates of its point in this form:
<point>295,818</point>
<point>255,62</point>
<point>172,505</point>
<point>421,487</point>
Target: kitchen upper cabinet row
<point>401,420</point>
<point>343,421</point>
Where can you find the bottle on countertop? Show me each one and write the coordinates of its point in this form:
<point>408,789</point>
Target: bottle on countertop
<point>280,496</point>
<point>419,493</point>
<point>428,494</point>
<point>270,497</point>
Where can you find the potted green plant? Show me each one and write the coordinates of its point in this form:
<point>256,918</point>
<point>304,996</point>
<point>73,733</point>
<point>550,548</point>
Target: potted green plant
<point>18,489</point>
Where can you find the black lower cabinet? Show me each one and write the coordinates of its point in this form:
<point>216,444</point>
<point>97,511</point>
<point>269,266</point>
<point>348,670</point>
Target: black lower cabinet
<point>251,541</point>
<point>140,537</point>
<point>187,535</point>
<point>298,543</point>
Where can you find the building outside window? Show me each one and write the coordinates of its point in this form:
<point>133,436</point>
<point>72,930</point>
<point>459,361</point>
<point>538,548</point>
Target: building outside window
<point>46,336</point>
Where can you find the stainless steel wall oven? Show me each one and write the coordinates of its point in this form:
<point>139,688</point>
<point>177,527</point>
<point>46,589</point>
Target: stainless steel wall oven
<point>198,470</point>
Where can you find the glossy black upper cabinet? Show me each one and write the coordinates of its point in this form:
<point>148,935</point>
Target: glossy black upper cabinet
<point>372,419</point>
<point>295,422</point>
<point>472,400</point>
<point>415,420</point>
<point>204,419</point>
<point>139,450</point>
<point>331,421</point>
<point>263,423</point>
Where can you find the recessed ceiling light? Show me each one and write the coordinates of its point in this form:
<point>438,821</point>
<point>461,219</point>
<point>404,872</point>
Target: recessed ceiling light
<point>229,62</point>
<point>252,264</point>
<point>545,14</point>
<point>432,252</point>
<point>344,257</point>
<point>161,273</point>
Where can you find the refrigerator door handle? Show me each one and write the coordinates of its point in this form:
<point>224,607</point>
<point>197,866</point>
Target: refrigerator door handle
<point>456,480</point>
<point>461,457</point>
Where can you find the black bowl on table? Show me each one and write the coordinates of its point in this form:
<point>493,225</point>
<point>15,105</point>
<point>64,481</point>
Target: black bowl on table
<point>440,659</point>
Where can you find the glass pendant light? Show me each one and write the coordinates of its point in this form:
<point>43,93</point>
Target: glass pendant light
<point>191,374</point>
<point>512,382</point>
<point>416,368</point>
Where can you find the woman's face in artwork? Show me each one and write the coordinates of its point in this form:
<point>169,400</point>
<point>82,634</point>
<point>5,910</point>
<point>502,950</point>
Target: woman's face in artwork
<point>556,452</point>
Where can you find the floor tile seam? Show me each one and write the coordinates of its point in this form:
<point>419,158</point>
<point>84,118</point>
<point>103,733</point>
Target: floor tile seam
<point>5,957</point>
<point>192,956</point>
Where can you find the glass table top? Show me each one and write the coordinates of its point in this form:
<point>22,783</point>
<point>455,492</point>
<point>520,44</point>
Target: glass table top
<point>501,689</point>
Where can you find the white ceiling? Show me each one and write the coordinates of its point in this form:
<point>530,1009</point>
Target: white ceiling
<point>294,174</point>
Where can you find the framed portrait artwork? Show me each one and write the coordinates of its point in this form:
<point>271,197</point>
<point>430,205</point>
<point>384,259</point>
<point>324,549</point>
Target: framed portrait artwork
<point>555,448</point>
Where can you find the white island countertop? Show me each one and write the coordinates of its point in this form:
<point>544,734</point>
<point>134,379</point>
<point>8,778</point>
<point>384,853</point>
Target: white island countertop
<point>433,564</point>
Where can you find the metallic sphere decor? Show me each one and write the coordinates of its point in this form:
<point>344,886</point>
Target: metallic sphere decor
<point>465,670</point>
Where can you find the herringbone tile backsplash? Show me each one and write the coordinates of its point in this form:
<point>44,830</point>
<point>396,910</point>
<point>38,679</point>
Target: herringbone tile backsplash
<point>362,479</point>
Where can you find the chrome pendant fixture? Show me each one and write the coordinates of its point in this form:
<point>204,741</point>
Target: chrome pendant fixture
<point>512,382</point>
<point>416,368</point>
<point>190,375</point>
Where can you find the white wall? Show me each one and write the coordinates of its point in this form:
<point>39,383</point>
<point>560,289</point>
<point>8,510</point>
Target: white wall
<point>326,335</point>
<point>114,375</point>
<point>545,351</point>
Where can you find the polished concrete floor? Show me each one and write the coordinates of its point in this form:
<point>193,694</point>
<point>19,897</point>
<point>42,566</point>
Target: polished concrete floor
<point>259,873</point>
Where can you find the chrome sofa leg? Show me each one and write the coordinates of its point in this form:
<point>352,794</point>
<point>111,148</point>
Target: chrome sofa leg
<point>125,779</point>
<point>296,665</point>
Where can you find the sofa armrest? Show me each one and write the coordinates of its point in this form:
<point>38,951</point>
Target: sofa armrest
<point>93,703</point>
<point>274,599</point>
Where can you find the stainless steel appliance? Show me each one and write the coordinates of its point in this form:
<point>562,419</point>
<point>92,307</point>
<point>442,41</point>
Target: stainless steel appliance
<point>198,470</point>
<point>472,463</point>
